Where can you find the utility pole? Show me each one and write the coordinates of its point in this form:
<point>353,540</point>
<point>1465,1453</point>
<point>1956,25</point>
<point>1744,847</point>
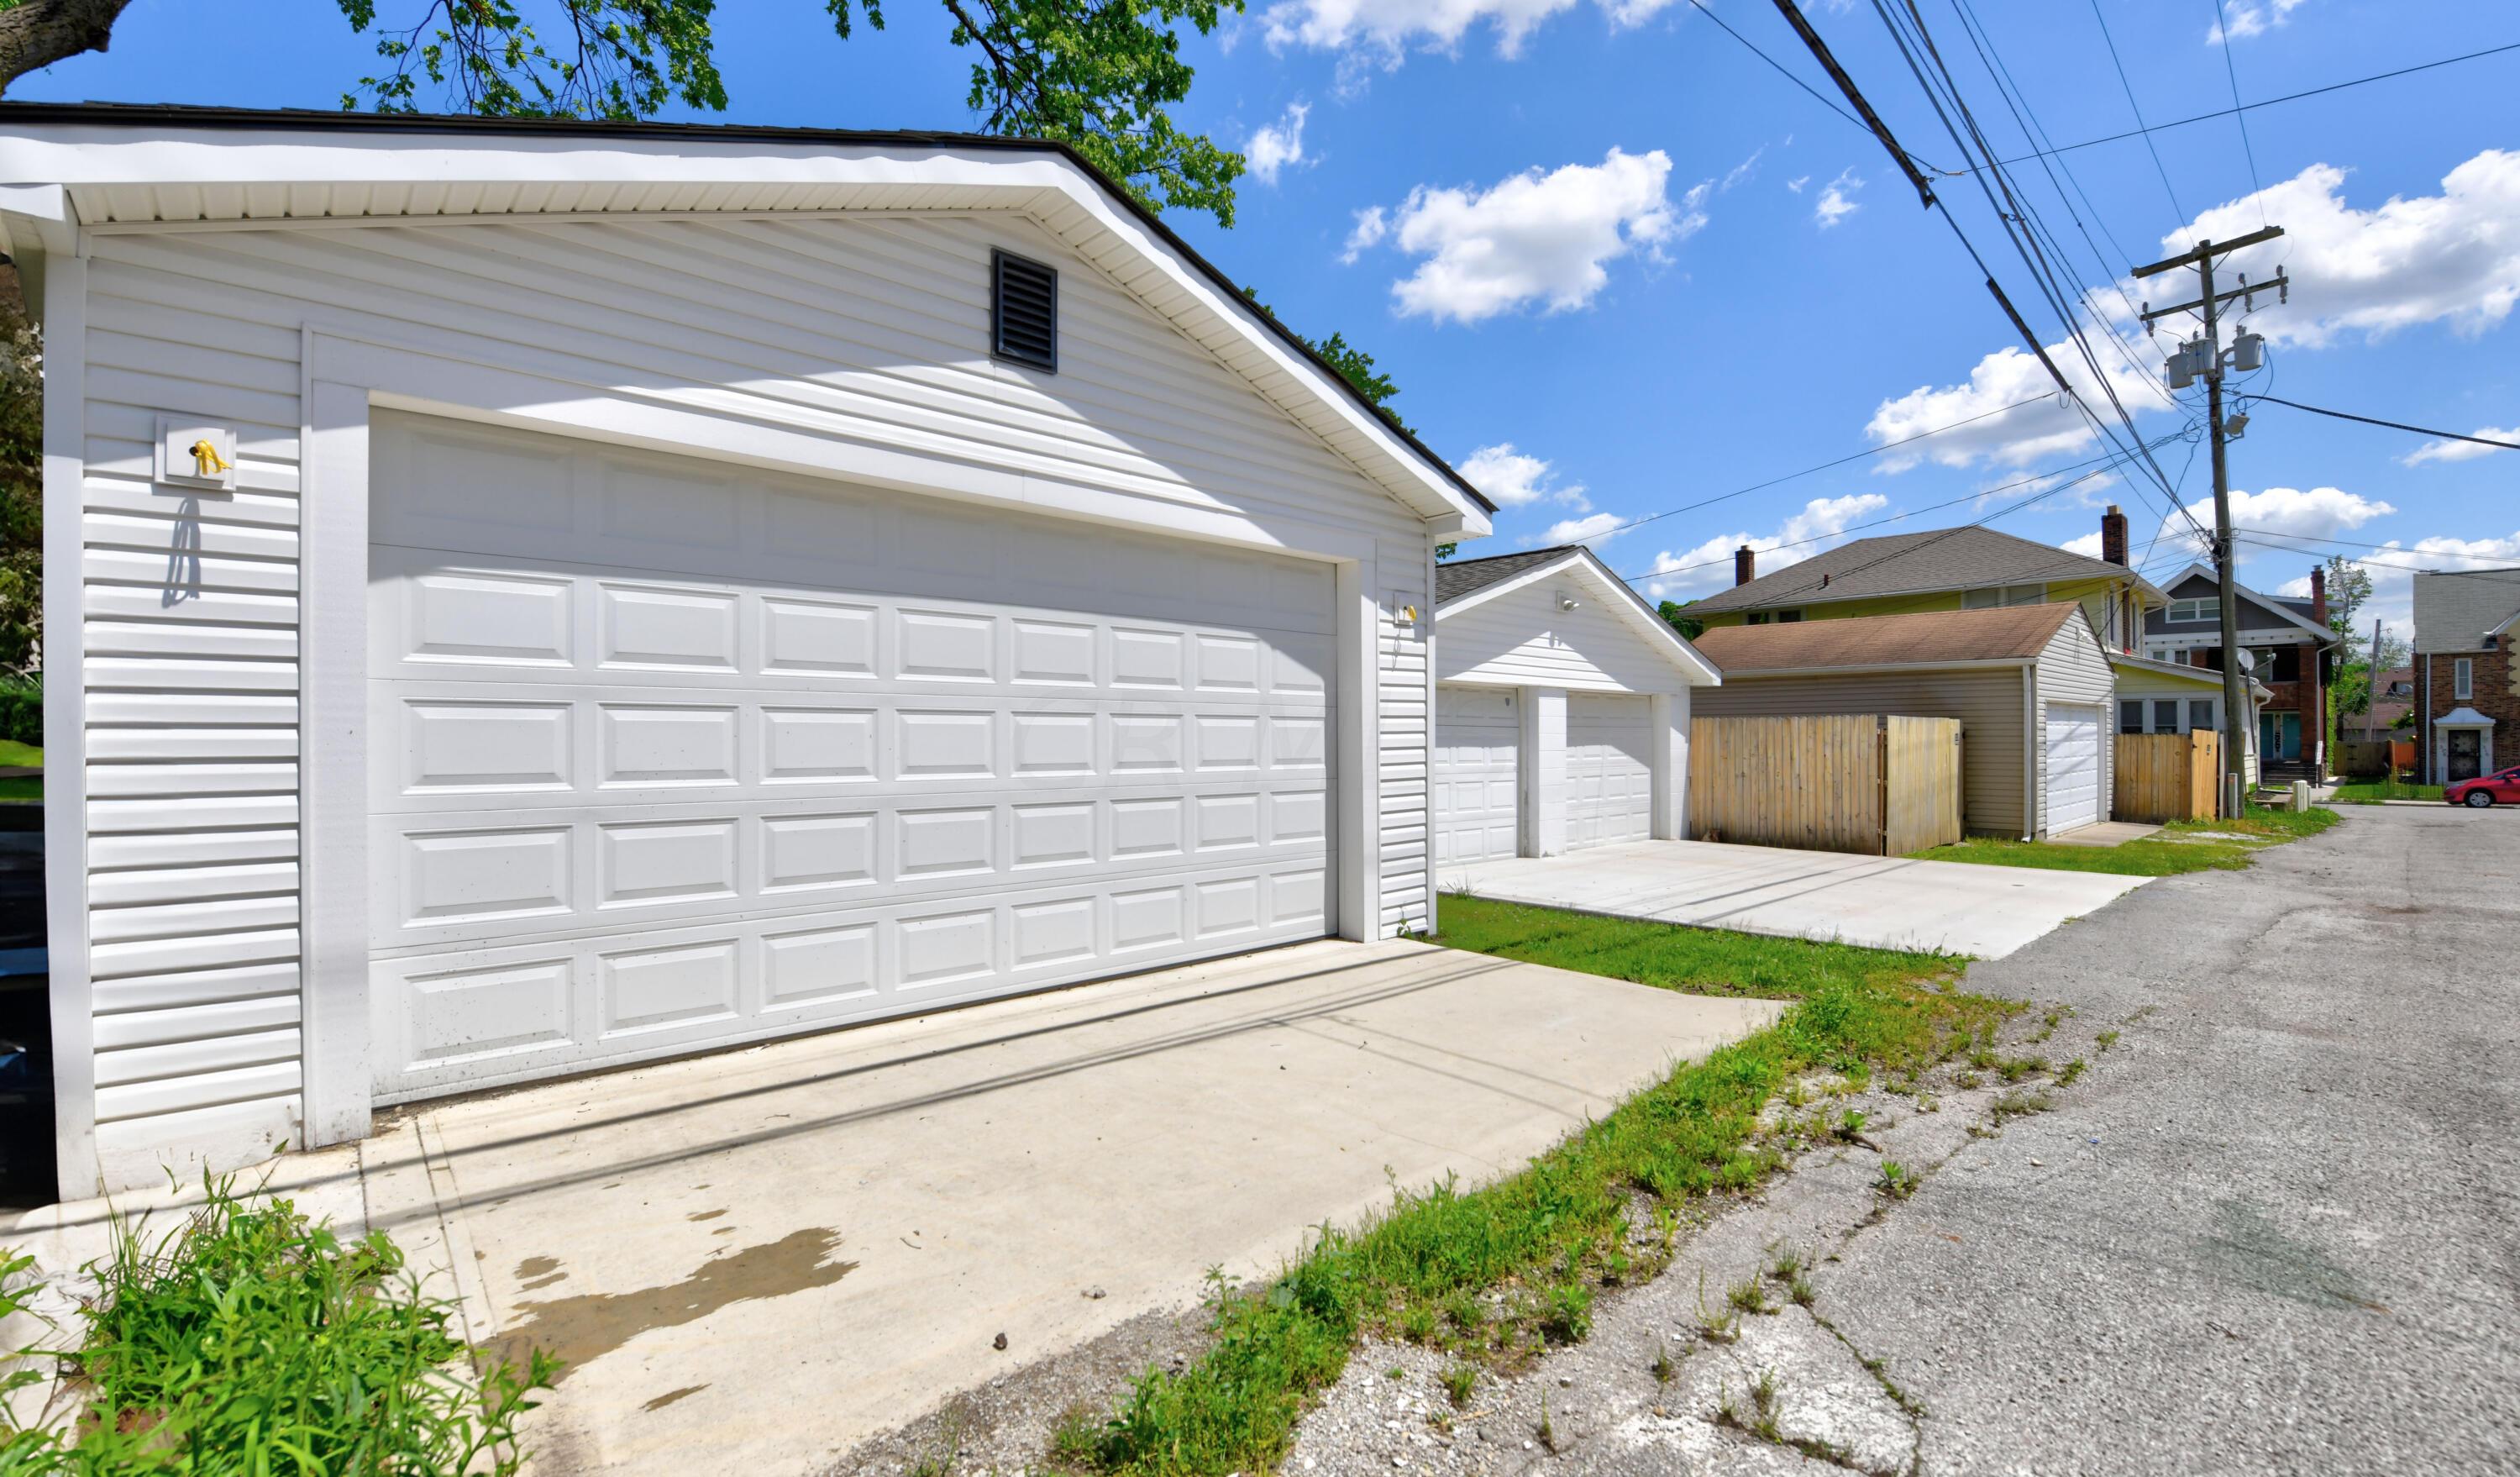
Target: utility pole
<point>2205,357</point>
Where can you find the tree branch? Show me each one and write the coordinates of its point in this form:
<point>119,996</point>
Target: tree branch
<point>40,32</point>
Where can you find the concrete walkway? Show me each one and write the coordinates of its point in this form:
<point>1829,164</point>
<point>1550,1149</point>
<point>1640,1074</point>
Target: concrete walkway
<point>752,1261</point>
<point>1885,902</point>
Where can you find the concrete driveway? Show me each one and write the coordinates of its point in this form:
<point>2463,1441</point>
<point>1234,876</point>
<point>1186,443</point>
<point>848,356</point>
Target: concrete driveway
<point>754,1260</point>
<point>1887,902</point>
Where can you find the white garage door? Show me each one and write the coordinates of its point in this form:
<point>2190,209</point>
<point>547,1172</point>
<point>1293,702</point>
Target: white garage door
<point>1610,769</point>
<point>1479,737</point>
<point>2072,766</point>
<point>667,755</point>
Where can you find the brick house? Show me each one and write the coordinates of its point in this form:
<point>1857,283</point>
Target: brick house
<point>2467,687</point>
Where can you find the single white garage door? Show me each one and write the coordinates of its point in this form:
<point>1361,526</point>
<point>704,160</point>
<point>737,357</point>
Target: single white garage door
<point>667,755</point>
<point>1478,774</point>
<point>2074,737</point>
<point>1610,769</point>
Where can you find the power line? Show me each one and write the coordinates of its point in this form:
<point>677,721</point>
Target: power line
<point>2239,114</point>
<point>2138,109</point>
<point>2381,563</point>
<point>2448,435</point>
<point>2147,131</point>
<point>1656,517</point>
<point>1817,95</point>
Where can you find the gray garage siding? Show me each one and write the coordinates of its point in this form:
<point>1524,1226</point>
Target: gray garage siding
<point>1988,701</point>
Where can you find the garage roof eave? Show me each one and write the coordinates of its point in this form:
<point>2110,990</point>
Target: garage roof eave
<point>1587,568</point>
<point>135,167</point>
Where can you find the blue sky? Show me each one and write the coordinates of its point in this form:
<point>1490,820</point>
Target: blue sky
<point>1618,265</point>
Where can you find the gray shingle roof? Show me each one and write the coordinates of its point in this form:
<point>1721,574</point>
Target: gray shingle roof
<point>1456,578</point>
<point>2455,609</point>
<point>1896,563</point>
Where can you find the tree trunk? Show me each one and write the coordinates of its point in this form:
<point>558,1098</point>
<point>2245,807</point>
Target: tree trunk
<point>41,32</point>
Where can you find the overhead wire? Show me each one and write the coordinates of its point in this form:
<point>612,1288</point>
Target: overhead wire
<point>2138,109</point>
<point>2223,33</point>
<point>2448,435</point>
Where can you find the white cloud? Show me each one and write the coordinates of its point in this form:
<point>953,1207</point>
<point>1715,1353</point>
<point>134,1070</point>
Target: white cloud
<point>1596,529</point>
<point>1514,479</point>
<point>1822,523</point>
<point>2461,451</point>
<point>1533,237</point>
<point>1374,34</point>
<point>2088,546</point>
<point>2250,17</point>
<point>1797,182</point>
<point>1745,169</point>
<point>2393,566</point>
<point>1835,203</point>
<point>2277,513</point>
<point>2453,257</point>
<point>1277,145</point>
<point>1371,225</point>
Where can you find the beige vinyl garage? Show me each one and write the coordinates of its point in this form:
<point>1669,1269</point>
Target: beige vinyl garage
<point>2031,687</point>
<point>1562,714</point>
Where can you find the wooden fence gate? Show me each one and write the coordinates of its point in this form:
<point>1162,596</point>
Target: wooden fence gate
<point>1878,784</point>
<point>2167,777</point>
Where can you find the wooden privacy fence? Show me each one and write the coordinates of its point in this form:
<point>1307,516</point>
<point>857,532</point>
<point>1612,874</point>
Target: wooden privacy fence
<point>1878,784</point>
<point>2167,777</point>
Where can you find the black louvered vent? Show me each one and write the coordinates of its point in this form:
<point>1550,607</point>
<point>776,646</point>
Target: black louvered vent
<point>1024,311</point>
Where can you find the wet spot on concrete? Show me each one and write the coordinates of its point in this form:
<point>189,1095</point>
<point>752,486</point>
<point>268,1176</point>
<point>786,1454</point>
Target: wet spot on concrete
<point>670,1396</point>
<point>704,1215</point>
<point>583,1328</point>
<point>538,1272</point>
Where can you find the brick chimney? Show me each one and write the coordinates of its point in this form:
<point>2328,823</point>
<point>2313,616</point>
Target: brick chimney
<point>1745,564</point>
<point>2113,536</point>
<point>2318,595</point>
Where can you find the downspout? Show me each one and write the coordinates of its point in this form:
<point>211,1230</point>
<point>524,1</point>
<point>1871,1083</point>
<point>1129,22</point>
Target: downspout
<point>2034,752</point>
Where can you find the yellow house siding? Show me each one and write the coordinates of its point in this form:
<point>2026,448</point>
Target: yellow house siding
<point>2093,595</point>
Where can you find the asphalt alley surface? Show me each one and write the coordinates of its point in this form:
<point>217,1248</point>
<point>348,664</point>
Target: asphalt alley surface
<point>2276,1228</point>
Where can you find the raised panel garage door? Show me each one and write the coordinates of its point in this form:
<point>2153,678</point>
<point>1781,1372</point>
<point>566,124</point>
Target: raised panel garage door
<point>1610,769</point>
<point>667,755</point>
<point>2072,766</point>
<point>1479,737</point>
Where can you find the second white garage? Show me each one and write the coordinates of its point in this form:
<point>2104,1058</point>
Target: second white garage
<point>1562,714</point>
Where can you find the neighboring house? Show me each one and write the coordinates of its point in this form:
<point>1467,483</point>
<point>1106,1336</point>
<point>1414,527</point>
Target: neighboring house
<point>644,589</point>
<point>1963,568</point>
<point>2030,683</point>
<point>2393,698</point>
<point>2172,697</point>
<point>2467,687</point>
<point>2291,651</point>
<point>1562,718</point>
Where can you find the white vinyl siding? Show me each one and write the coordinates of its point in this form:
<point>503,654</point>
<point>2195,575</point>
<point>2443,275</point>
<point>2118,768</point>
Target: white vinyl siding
<point>1988,702</point>
<point>871,331</point>
<point>2073,669</point>
<point>1523,639</point>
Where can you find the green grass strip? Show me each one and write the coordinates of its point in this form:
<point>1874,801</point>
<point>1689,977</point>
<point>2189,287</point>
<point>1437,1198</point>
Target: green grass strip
<point>1494,1274</point>
<point>2183,846</point>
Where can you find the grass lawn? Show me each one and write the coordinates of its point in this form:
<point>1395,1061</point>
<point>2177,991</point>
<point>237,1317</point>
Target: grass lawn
<point>22,787</point>
<point>1492,1275</point>
<point>2158,856</point>
<point>16,755</point>
<point>2373,791</point>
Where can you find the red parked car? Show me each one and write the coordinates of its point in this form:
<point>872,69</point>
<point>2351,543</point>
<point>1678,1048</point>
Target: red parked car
<point>2502,788</point>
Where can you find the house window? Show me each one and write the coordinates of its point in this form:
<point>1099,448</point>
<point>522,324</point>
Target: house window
<point>2196,609</point>
<point>2129,715</point>
<point>1757,618</point>
<point>2200,715</point>
<point>1992,595</point>
<point>1789,617</point>
<point>2463,679</point>
<point>2165,715</point>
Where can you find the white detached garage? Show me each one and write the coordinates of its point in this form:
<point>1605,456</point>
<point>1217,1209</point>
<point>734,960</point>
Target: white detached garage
<point>1561,710</point>
<point>530,599</point>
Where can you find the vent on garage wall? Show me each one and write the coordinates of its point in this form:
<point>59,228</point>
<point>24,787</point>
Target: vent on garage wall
<point>1024,311</point>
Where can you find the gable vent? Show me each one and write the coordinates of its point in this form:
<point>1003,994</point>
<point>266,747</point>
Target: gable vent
<point>1024,311</point>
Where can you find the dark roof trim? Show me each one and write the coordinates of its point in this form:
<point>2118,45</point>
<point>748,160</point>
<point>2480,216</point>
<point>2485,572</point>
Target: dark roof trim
<point>310,120</point>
